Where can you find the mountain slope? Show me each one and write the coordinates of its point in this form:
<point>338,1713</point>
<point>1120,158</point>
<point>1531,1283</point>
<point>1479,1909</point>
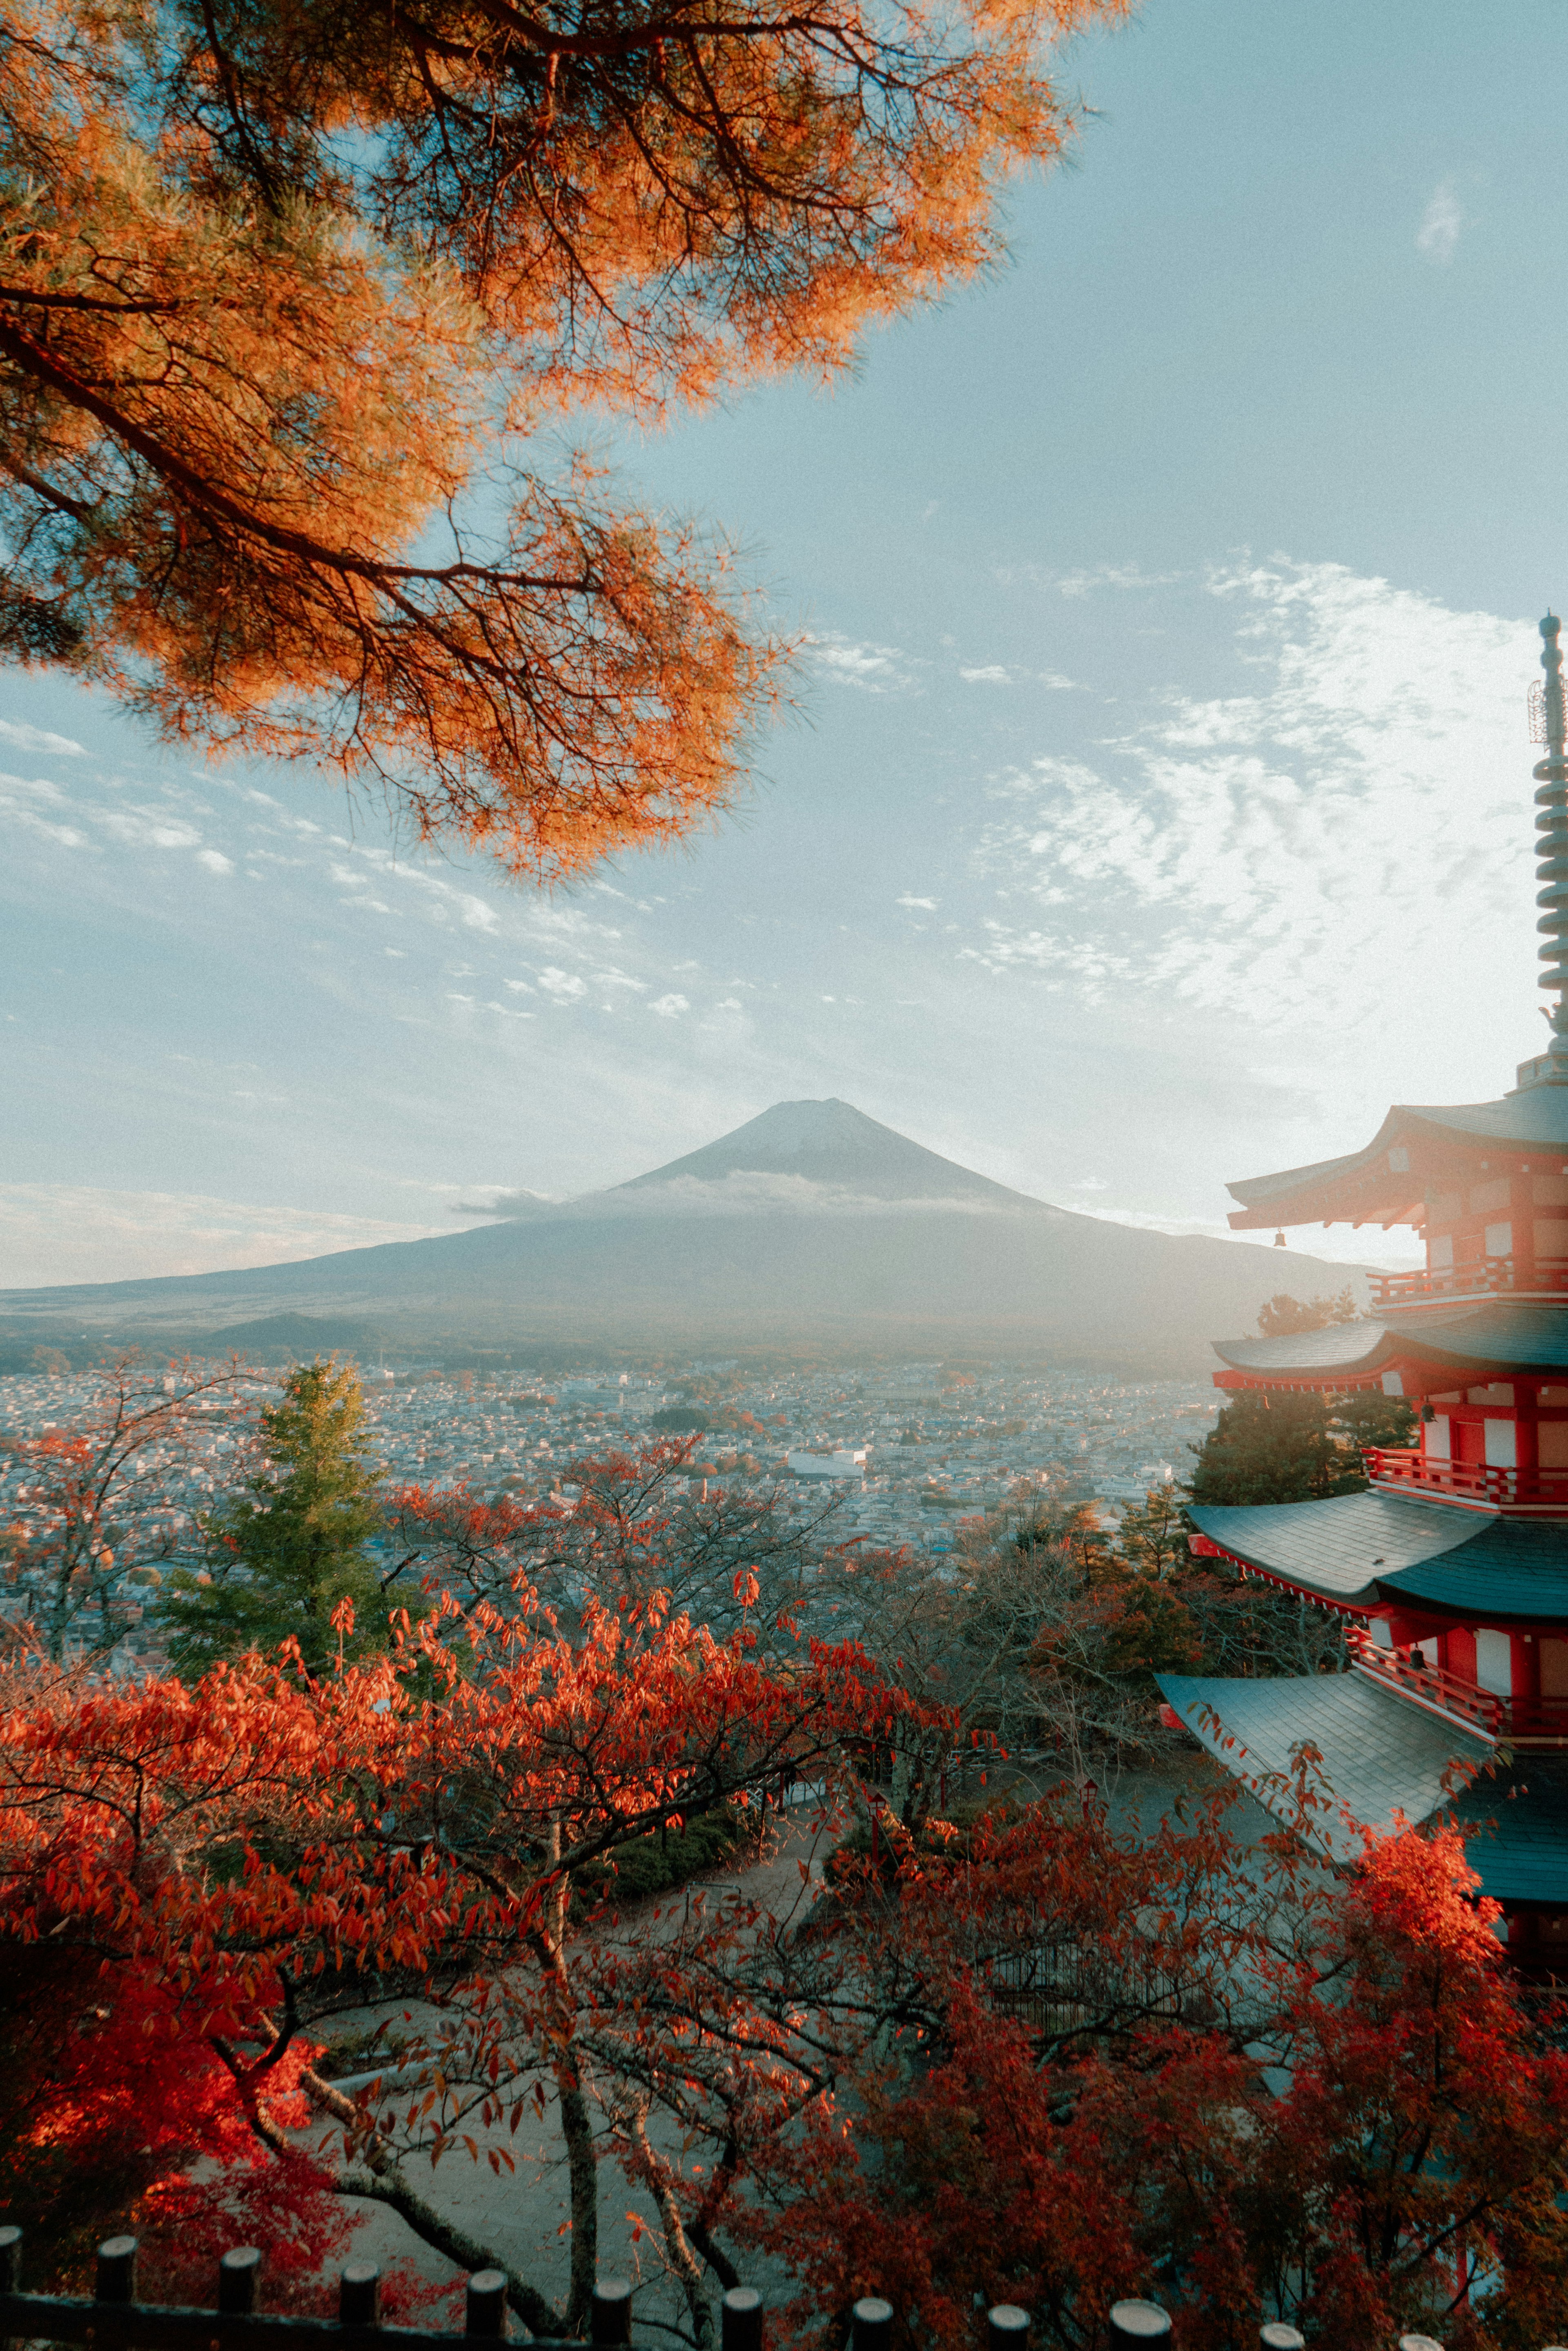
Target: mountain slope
<point>831,1144</point>
<point>812,1226</point>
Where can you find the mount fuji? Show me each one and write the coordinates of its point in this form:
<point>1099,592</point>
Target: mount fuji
<point>811,1226</point>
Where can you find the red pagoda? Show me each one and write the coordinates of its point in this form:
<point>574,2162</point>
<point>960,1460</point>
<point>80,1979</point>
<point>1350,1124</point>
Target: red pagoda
<point>1451,1570</point>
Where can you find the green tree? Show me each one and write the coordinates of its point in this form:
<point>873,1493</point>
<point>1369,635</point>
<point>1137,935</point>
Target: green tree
<point>1294,1447</point>
<point>1152,1534</point>
<point>292,1544</point>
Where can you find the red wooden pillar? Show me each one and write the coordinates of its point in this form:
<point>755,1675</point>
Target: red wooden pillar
<point>1524,1661</point>
<point>1527,1448</point>
<point>1521,1214</point>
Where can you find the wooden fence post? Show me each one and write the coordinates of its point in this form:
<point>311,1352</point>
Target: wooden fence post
<point>1139,2321</point>
<point>1278,2336</point>
<point>239,2275</point>
<point>486,2312</point>
<point>740,2320</point>
<point>611,2319</point>
<point>10,2270</point>
<point>116,2279</point>
<point>1006,2327</point>
<point>872,2325</point>
<point>359,2294</point>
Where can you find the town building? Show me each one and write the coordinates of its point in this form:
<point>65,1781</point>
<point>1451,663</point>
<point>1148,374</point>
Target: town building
<point>1451,1570</point>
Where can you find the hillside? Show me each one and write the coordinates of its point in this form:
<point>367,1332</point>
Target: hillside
<point>812,1226</point>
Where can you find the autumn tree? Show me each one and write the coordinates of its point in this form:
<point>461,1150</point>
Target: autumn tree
<point>1037,2059</point>
<point>290,292</point>
<point>635,1535</point>
<point>100,1510</point>
<point>289,1549</point>
<point>1321,2103</point>
<point>1282,1316</point>
<point>230,1868</point>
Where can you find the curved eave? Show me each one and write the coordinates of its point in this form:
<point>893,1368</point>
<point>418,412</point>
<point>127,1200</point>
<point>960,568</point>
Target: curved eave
<point>1386,1764</point>
<point>1384,1183</point>
<point>1358,1554</point>
<point>1428,1349</point>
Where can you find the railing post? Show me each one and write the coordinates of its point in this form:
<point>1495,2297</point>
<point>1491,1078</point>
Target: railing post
<point>485,2310</point>
<point>610,2319</point>
<point>1278,2336</point>
<point>359,2294</point>
<point>740,2320</point>
<point>239,2275</point>
<point>116,2279</point>
<point>10,2272</point>
<point>1139,2321</point>
<point>1006,2327</point>
<point>873,2329</point>
<point>1419,2342</point>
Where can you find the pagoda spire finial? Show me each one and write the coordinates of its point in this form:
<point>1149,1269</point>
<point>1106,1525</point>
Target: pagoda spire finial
<point>1551,716</point>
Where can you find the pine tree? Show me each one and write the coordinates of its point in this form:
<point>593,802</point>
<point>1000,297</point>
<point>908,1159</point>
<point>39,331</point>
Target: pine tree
<point>1288,1446</point>
<point>292,1544</point>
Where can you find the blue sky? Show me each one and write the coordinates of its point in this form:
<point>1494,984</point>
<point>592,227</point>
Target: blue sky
<point>1160,805</point>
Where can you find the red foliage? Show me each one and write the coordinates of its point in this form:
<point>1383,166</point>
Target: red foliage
<point>1335,2110</point>
<point>218,1866</point>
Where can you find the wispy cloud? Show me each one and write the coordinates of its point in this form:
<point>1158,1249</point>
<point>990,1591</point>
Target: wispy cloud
<point>1441,223</point>
<point>876,669</point>
<point>1287,850</point>
<point>38,738</point>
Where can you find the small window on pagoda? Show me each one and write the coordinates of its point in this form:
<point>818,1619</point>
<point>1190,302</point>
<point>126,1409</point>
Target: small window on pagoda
<point>1551,1444</point>
<point>1502,1444</point>
<point>1440,1253</point>
<point>1553,1668</point>
<point>1498,1241</point>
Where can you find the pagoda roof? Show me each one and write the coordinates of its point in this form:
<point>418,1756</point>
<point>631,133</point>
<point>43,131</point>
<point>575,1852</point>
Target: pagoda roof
<point>1368,1551</point>
<point>1463,1343</point>
<point>1384,1183</point>
<point>1383,1758</point>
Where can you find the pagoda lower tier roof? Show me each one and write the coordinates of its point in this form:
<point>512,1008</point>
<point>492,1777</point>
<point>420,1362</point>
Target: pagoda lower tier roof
<point>1383,1183</point>
<point>1460,1344</point>
<point>1384,1762</point>
<point>1365,1552</point>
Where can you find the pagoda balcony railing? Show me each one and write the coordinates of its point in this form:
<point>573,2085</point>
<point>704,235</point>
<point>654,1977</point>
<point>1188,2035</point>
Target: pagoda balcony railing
<point>1483,1485</point>
<point>1430,1687</point>
<point>1540,1721</point>
<point>1483,1276</point>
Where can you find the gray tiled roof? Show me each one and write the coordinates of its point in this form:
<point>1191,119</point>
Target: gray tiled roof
<point>1538,1116</point>
<point>1491,1335</point>
<point>1380,1756</point>
<point>1520,1845</point>
<point>1366,1549</point>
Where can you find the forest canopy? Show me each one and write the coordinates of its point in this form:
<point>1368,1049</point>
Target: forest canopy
<point>291,290</point>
